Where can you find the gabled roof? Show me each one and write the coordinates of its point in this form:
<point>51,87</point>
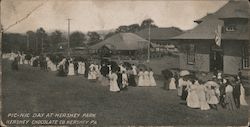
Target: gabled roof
<point>159,33</point>
<point>205,30</point>
<point>233,9</point>
<point>208,24</point>
<point>123,41</point>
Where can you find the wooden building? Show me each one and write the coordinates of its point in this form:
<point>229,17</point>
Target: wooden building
<point>198,50</point>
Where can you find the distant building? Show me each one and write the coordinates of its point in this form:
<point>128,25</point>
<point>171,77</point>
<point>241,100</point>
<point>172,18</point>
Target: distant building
<point>161,37</point>
<point>198,50</point>
<point>121,44</point>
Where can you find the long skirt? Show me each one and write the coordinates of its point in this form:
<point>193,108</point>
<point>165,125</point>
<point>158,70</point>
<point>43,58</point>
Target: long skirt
<point>140,81</point>
<point>193,100</point>
<point>179,91</point>
<point>202,99</point>
<point>114,86</point>
<point>184,93</point>
<point>229,100</point>
<point>131,80</point>
<point>172,85</point>
<point>242,96</point>
<point>119,80</point>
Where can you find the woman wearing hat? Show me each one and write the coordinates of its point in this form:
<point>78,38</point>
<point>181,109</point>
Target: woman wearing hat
<point>229,100</point>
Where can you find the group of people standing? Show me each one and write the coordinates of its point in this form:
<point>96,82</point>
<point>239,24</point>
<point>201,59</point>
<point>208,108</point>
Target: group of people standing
<point>117,76</point>
<point>227,92</point>
<point>130,76</point>
<point>197,93</point>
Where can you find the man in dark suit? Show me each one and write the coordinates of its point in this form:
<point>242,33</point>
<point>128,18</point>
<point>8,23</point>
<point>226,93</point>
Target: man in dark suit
<point>236,92</point>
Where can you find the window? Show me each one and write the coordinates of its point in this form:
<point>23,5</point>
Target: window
<point>245,57</point>
<point>191,54</point>
<point>230,28</point>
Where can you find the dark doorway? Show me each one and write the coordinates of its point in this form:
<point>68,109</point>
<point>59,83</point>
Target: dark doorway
<point>216,61</point>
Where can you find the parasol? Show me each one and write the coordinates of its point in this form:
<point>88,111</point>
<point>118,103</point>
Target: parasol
<point>211,83</point>
<point>184,73</point>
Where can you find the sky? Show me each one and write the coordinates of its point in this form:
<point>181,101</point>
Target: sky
<point>92,15</point>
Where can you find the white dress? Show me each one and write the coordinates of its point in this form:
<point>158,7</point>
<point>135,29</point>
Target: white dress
<point>211,97</point>
<point>134,70</point>
<point>12,56</point>
<point>51,65</point>
<point>79,70</point>
<point>94,74</point>
<point>192,98</point>
<point>152,79</point>
<point>113,83</point>
<point>90,74</point>
<point>201,92</point>
<point>124,79</point>
<point>140,79</point>
<point>21,59</point>
<point>146,78</point>
<point>242,96</point>
<point>71,69</point>
<point>172,85</point>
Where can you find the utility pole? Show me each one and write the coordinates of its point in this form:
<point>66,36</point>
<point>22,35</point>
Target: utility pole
<point>28,45</point>
<point>69,36</point>
<point>42,44</point>
<point>149,43</point>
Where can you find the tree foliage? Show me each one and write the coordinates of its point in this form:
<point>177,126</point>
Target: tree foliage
<point>77,39</point>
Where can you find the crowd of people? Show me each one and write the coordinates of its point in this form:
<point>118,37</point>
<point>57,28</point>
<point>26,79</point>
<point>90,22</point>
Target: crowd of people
<point>207,94</point>
<point>109,73</point>
<point>225,91</point>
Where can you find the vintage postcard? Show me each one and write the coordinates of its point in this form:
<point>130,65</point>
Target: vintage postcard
<point>77,63</point>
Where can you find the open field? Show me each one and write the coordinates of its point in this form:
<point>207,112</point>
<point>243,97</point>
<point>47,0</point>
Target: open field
<point>32,90</point>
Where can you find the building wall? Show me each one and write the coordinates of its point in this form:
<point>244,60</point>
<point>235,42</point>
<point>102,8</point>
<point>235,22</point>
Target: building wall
<point>231,64</point>
<point>232,51</point>
<point>202,49</point>
<point>201,62</point>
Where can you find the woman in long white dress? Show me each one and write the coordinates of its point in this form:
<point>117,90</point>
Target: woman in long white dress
<point>242,96</point>
<point>134,69</point>
<point>94,74</point>
<point>79,70</point>
<point>192,98</point>
<point>146,78</point>
<point>172,85</point>
<point>180,85</point>
<point>21,59</point>
<point>113,83</point>
<point>124,79</point>
<point>211,97</point>
<point>151,77</point>
<point>71,69</point>
<point>201,92</point>
<point>90,74</point>
<point>141,78</point>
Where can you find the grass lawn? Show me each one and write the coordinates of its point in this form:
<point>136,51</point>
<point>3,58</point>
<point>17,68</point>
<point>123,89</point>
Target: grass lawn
<point>32,90</point>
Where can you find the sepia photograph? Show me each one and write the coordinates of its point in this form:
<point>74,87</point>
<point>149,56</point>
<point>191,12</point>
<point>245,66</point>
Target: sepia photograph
<point>77,63</point>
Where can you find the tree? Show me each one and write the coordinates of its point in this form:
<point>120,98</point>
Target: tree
<point>41,40</point>
<point>13,42</point>
<point>133,28</point>
<point>56,37</point>
<point>94,38</point>
<point>122,29</point>
<point>147,22</point>
<point>31,40</point>
<point>77,39</point>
